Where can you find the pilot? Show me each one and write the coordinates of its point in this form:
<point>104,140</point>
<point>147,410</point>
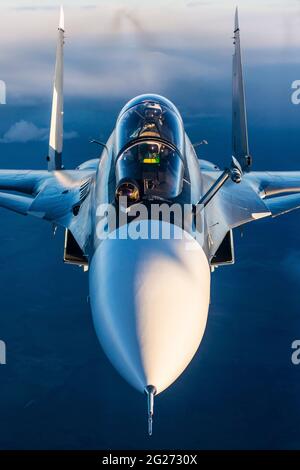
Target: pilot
<point>153,120</point>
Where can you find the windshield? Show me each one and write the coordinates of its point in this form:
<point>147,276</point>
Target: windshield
<point>149,120</point>
<point>149,170</point>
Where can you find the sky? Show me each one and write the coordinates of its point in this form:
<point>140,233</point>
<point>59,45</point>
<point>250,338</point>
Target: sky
<point>114,48</point>
<point>58,390</point>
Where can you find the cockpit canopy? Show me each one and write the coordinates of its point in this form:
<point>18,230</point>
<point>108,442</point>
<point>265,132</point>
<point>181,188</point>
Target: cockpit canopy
<point>150,116</point>
<point>150,149</point>
<point>149,170</point>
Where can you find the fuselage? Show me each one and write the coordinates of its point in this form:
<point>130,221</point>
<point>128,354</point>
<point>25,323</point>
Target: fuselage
<point>149,275</point>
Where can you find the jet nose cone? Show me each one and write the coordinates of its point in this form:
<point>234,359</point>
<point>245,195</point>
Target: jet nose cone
<point>150,301</point>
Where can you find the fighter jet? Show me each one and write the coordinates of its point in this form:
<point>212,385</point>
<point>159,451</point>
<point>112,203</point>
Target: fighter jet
<point>150,295</point>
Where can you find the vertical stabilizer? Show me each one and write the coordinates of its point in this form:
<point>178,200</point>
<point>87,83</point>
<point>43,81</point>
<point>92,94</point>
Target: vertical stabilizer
<point>240,145</point>
<point>56,126</point>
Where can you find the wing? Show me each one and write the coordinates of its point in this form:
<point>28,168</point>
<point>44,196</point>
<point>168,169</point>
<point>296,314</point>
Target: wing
<point>60,197</point>
<point>259,195</point>
<point>280,191</point>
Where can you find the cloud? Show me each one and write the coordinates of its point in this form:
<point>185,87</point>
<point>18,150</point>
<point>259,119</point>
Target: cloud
<point>25,8</point>
<point>34,8</point>
<point>196,3</point>
<point>129,52</point>
<point>24,131</point>
<point>70,135</point>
